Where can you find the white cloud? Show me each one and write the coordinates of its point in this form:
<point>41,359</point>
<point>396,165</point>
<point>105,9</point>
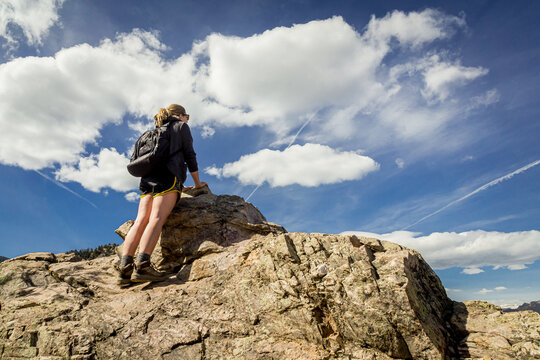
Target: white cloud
<point>213,170</point>
<point>140,126</point>
<point>132,196</point>
<point>484,291</point>
<point>472,271</point>
<point>306,165</point>
<point>507,305</point>
<point>33,17</point>
<point>442,77</point>
<point>400,163</point>
<point>489,97</point>
<point>60,103</point>
<point>453,290</point>
<point>96,172</point>
<point>207,131</point>
<point>64,101</point>
<point>414,28</point>
<point>282,73</point>
<point>471,249</point>
<point>516,267</point>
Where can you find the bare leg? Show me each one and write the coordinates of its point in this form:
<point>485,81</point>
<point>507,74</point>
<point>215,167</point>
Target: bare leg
<point>133,237</point>
<point>161,208</point>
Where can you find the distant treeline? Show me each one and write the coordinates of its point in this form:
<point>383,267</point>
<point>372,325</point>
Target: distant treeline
<point>89,254</point>
<point>2,258</point>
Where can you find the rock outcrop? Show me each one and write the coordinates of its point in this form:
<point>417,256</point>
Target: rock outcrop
<point>243,288</point>
<point>488,332</point>
<point>204,224</point>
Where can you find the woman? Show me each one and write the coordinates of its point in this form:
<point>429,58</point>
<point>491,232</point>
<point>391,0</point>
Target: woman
<point>160,191</point>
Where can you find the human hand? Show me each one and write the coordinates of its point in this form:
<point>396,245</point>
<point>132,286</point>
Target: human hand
<point>200,185</point>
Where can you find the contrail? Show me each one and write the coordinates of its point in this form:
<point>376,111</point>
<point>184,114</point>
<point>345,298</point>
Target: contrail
<point>481,188</point>
<point>65,188</point>
<point>288,146</point>
<point>300,130</point>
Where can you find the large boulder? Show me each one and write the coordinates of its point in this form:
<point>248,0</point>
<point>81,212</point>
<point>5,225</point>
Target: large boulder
<point>485,331</point>
<point>202,223</point>
<point>293,295</point>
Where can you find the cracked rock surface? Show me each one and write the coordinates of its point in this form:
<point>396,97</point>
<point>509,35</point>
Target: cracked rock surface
<point>259,293</point>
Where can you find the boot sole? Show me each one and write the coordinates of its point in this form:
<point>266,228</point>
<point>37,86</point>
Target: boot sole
<point>141,279</point>
<point>124,283</point>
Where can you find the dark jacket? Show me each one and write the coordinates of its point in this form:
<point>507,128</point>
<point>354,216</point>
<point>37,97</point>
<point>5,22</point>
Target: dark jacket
<point>182,156</point>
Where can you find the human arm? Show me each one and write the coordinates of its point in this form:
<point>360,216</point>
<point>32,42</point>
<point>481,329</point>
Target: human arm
<point>198,183</point>
<point>190,157</point>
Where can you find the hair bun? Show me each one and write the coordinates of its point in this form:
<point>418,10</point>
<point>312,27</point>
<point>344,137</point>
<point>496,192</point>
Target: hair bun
<point>161,116</point>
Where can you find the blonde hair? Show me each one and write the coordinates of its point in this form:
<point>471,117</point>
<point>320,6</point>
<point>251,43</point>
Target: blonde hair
<point>164,113</point>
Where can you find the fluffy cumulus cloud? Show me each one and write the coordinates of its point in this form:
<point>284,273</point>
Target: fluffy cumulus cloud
<point>52,107</point>
<point>485,291</point>
<point>104,170</point>
<point>413,29</point>
<point>132,196</point>
<point>472,271</point>
<point>470,250</point>
<point>307,165</point>
<point>33,17</point>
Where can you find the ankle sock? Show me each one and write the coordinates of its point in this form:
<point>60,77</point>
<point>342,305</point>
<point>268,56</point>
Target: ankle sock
<point>143,257</point>
<point>126,260</point>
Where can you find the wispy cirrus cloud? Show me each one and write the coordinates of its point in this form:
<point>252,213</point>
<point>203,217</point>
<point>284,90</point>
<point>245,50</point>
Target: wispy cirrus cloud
<point>476,191</point>
<point>62,186</point>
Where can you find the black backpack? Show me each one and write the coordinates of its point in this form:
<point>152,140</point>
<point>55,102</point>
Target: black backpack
<point>152,148</point>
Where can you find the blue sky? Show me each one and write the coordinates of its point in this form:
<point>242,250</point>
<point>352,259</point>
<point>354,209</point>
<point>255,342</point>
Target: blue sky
<point>415,122</point>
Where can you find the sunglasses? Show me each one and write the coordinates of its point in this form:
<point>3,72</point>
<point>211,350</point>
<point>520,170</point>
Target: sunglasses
<point>186,115</point>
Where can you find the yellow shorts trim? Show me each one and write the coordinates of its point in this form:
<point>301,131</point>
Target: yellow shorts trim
<point>169,190</point>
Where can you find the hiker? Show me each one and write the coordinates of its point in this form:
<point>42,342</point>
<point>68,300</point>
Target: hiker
<point>160,192</point>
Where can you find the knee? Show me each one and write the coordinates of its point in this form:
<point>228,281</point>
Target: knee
<point>156,220</point>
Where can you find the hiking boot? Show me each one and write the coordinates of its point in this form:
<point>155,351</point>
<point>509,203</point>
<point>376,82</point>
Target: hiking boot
<point>144,271</point>
<point>124,275</point>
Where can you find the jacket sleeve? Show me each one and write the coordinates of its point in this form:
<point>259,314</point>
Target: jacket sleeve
<point>190,157</point>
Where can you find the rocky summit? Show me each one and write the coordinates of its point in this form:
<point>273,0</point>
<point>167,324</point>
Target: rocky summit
<point>243,288</point>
